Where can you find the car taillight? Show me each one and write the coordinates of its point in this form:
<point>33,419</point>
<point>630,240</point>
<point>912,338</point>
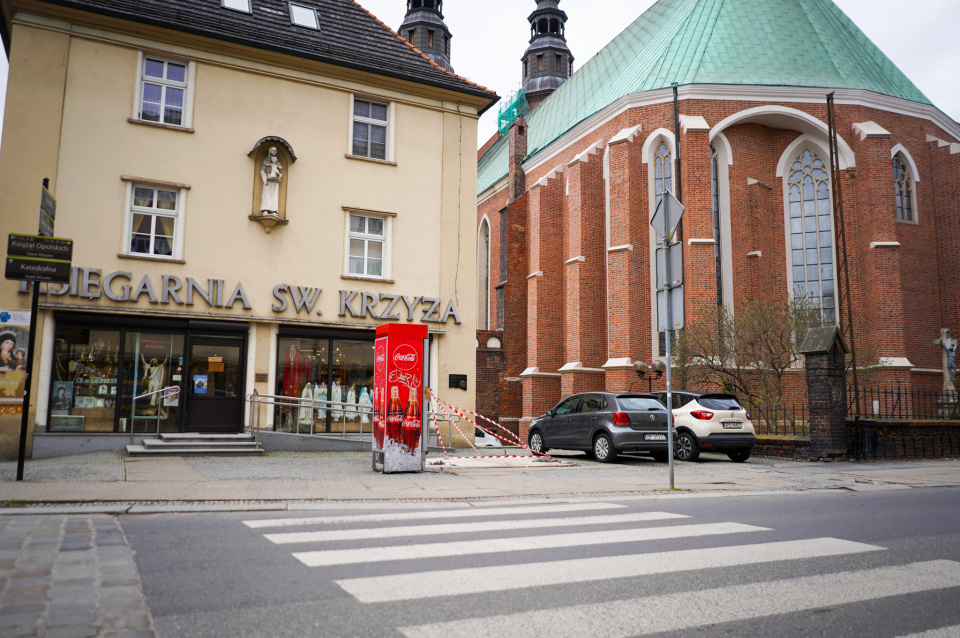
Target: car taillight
<point>621,418</point>
<point>748,417</point>
<point>703,415</point>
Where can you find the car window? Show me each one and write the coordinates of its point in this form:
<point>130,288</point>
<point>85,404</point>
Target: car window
<point>641,404</point>
<point>567,405</point>
<point>591,403</point>
<point>680,400</point>
<point>720,403</point>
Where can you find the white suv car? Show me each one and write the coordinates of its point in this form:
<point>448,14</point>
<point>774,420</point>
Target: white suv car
<point>710,423</point>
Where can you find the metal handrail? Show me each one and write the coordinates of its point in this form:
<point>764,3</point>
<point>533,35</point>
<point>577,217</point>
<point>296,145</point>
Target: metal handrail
<point>171,392</point>
<point>257,400</point>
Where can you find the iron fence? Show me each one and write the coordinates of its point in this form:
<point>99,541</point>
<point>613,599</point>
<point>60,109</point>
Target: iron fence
<point>782,420</point>
<point>906,405</point>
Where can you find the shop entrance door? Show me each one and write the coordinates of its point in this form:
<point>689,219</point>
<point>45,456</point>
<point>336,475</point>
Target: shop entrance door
<point>214,387</point>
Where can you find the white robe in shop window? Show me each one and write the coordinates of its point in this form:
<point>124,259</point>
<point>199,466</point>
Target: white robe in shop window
<point>305,414</point>
<point>365,402</point>
<point>336,396</point>
<point>352,399</point>
<point>320,394</point>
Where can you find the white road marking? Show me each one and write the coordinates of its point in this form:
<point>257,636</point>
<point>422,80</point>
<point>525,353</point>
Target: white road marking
<point>943,632</point>
<point>527,543</point>
<point>464,528</point>
<point>478,580</point>
<point>639,616</point>
<point>417,516</point>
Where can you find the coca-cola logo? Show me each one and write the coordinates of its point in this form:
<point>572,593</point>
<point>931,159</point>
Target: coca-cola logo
<point>405,357</point>
<point>381,357</point>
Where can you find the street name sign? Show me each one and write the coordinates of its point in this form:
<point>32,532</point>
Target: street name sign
<point>48,212</point>
<point>28,269</point>
<point>39,247</point>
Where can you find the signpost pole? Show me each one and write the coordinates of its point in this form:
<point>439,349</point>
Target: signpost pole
<point>28,380</point>
<point>668,299</point>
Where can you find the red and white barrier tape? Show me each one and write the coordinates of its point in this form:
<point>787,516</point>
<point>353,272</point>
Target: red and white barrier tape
<point>433,417</point>
<point>441,403</point>
<point>459,412</point>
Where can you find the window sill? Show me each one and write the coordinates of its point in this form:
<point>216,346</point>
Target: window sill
<point>378,280</point>
<point>907,222</point>
<point>150,258</point>
<point>170,127</point>
<point>369,159</point>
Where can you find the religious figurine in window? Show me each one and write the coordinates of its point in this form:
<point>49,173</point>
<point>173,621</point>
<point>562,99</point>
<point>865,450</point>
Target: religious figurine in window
<point>271,172</point>
<point>153,374</point>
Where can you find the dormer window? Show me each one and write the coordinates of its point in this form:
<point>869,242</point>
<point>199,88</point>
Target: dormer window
<point>430,33</point>
<point>236,5</point>
<point>303,16</point>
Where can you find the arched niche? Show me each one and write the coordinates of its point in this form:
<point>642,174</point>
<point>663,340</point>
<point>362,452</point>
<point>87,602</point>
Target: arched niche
<point>286,156</point>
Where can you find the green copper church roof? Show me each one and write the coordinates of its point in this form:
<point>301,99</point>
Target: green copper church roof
<point>795,43</point>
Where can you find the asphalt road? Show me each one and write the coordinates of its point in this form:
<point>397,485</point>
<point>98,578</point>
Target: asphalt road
<point>877,564</point>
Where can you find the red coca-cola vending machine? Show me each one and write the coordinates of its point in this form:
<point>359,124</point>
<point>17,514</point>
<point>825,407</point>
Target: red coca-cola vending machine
<point>399,381</point>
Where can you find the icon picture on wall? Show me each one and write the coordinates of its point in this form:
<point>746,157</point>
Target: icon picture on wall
<point>199,384</point>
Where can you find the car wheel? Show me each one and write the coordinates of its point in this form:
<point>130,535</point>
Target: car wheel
<point>603,449</point>
<point>536,442</point>
<point>660,457</point>
<point>739,456</point>
<point>686,447</point>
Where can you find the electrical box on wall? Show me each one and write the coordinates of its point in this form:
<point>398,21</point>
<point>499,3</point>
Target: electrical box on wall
<point>458,381</point>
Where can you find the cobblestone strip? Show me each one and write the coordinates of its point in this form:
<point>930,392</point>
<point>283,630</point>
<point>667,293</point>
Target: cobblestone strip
<point>69,576</point>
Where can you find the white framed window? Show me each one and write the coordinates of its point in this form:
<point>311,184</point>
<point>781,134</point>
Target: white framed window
<point>370,131</point>
<point>367,245</point>
<point>304,16</point>
<point>163,91</point>
<point>154,220</point>
<point>236,5</point>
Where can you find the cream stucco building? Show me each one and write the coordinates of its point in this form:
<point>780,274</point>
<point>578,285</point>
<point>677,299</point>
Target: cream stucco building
<point>156,123</point>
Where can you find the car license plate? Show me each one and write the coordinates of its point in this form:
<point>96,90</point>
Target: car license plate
<point>732,425</point>
<point>654,437</point>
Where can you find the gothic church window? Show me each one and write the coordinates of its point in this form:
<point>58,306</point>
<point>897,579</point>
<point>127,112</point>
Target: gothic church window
<point>903,190</point>
<point>715,192</point>
<point>811,232</point>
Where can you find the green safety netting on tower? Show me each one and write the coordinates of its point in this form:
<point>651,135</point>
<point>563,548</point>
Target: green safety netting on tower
<point>513,107</point>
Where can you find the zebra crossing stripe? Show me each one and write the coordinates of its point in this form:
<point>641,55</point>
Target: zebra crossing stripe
<point>943,632</point>
<point>419,516</point>
<point>327,558</point>
<point>463,528</point>
<point>655,614</point>
<point>478,580</point>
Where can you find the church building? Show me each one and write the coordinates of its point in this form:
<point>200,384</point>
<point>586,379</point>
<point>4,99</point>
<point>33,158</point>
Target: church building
<point>566,251</point>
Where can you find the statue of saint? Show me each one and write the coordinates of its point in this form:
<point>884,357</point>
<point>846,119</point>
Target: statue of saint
<point>271,172</point>
<point>949,346</point>
<point>153,374</point>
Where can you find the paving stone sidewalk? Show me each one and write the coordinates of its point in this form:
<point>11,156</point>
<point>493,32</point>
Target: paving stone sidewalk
<point>69,576</point>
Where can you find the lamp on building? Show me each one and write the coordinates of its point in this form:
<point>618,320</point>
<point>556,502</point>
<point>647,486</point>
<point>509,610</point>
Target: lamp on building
<point>649,373</point>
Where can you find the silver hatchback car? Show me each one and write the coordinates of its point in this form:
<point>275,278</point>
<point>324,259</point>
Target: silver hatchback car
<point>604,424</point>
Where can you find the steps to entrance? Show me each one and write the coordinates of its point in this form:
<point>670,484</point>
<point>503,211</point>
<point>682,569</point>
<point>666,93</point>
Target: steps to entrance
<point>183,444</point>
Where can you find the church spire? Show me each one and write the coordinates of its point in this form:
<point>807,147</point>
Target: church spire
<point>424,28</point>
<point>547,62</point>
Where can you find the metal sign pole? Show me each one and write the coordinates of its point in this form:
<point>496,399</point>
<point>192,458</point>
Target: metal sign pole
<point>28,379</point>
<point>668,298</point>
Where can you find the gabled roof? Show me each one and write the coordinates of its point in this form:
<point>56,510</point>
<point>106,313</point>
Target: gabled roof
<point>349,35</point>
<point>784,43</point>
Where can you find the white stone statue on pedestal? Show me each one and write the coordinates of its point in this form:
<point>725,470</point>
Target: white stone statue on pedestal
<point>271,172</point>
<point>949,347</point>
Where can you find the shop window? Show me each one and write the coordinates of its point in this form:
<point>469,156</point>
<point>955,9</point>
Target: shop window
<point>151,362</point>
<point>371,124</point>
<point>163,91</point>
<point>335,375</point>
<point>153,221</point>
<point>83,393</point>
<point>366,242</point>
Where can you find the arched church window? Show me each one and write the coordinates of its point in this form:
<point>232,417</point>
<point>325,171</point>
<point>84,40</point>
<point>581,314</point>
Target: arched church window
<point>483,277</point>
<point>811,233</point>
<point>715,191</point>
<point>903,189</point>
<point>662,171</point>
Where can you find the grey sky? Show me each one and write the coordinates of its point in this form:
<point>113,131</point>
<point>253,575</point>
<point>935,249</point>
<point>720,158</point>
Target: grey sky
<point>490,37</point>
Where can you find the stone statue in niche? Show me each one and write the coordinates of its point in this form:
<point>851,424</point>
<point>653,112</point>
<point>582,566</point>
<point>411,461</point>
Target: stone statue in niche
<point>271,172</point>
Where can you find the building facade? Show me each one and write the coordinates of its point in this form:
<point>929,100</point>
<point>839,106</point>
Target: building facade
<point>566,199</point>
<point>252,186</point>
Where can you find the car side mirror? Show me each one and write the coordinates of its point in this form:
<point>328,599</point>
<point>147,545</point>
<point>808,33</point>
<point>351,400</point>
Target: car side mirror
<point>551,413</point>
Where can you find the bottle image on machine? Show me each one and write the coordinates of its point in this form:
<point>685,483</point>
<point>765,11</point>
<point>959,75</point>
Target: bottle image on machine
<point>411,422</point>
<point>394,415</point>
<point>378,421</point>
